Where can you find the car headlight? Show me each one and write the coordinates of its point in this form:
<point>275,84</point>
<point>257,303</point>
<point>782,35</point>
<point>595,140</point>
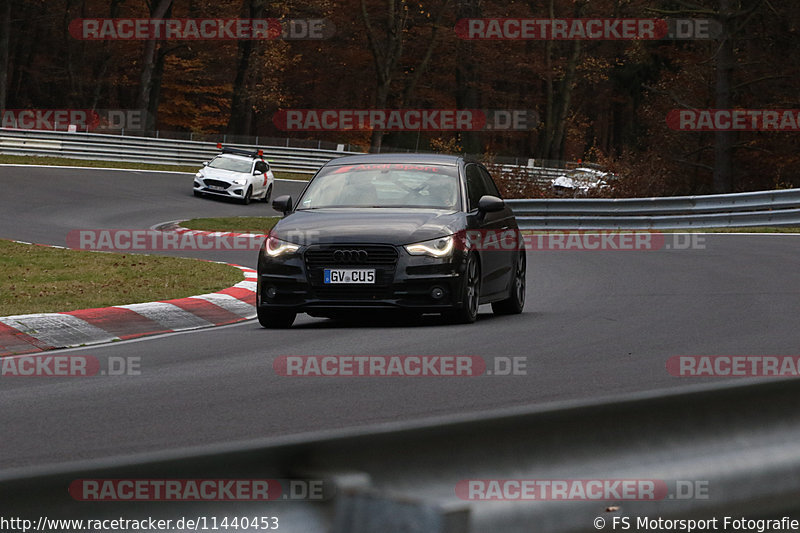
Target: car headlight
<point>240,181</point>
<point>440,247</point>
<point>199,175</point>
<point>275,247</point>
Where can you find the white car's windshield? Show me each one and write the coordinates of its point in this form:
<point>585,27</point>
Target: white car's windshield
<point>229,163</point>
<point>384,185</point>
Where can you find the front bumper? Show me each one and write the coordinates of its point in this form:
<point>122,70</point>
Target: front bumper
<point>231,190</point>
<point>418,283</point>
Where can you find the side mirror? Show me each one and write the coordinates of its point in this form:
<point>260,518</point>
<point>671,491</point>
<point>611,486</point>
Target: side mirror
<point>282,204</point>
<point>205,163</point>
<point>490,204</point>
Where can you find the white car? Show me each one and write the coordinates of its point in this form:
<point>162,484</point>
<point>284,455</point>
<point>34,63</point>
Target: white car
<point>238,174</point>
<point>580,181</point>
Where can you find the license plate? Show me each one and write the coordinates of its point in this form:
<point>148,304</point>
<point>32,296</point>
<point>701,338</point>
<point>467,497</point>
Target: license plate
<point>216,188</point>
<point>349,275</point>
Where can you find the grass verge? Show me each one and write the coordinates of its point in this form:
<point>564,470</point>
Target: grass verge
<point>234,224</point>
<point>38,279</point>
<point>291,175</point>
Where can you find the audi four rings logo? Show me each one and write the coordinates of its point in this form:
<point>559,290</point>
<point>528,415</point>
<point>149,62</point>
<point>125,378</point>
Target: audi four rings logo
<point>350,256</point>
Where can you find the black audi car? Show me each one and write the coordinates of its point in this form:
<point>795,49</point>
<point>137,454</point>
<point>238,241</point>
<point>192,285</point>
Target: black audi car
<point>420,233</point>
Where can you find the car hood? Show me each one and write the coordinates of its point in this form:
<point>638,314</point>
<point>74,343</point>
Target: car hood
<point>368,226</point>
<point>219,174</point>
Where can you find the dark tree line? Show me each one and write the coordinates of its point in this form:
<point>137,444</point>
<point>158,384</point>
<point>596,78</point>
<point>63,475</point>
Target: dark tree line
<point>605,101</point>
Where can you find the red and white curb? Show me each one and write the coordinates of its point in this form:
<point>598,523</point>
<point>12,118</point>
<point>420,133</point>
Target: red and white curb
<point>22,334</point>
<point>175,226</point>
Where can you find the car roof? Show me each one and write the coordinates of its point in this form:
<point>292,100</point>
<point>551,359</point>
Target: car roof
<point>418,159</point>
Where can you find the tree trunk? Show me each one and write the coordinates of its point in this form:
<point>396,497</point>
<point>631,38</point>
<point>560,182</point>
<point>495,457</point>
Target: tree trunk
<point>155,90</point>
<point>565,99</point>
<point>467,96</point>
<point>158,10</point>
<point>5,31</point>
<point>100,81</point>
<point>381,100</point>
<point>385,54</point>
<point>724,140</point>
<point>546,135</point>
<point>240,121</point>
<point>552,142</point>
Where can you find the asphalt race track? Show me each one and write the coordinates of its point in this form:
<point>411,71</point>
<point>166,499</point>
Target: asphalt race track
<point>596,324</point>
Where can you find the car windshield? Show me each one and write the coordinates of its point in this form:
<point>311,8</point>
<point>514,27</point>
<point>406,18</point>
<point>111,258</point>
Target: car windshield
<point>230,163</point>
<point>384,185</point>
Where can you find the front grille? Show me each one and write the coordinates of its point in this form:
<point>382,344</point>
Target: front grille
<point>351,256</point>
<point>216,183</point>
<point>382,258</point>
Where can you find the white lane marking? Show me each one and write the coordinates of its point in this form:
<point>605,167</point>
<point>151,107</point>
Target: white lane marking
<point>168,315</point>
<point>251,286</point>
<point>229,303</point>
<point>58,330</point>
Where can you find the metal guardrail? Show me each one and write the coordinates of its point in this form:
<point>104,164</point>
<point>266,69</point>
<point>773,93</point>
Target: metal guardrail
<point>737,442</point>
<point>167,151</point>
<point>770,208</point>
<point>150,150</point>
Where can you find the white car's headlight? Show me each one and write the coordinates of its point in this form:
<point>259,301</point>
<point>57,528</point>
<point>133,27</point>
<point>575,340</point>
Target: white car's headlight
<point>240,181</point>
<point>198,175</point>
<point>275,247</point>
<point>440,247</point>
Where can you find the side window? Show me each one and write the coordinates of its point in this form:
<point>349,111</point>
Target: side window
<point>475,186</point>
<point>490,185</point>
<point>261,166</point>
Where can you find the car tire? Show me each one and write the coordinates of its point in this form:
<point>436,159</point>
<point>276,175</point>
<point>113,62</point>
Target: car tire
<point>267,195</point>
<point>272,319</point>
<point>467,313</point>
<point>515,302</point>
<point>247,196</point>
